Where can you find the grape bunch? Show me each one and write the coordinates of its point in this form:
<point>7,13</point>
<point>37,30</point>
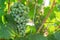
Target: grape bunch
<point>19,13</point>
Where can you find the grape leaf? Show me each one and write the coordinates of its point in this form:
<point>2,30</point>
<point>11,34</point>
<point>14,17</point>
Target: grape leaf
<point>36,37</point>
<point>52,16</point>
<point>57,35</point>
<point>40,1</point>
<point>51,37</point>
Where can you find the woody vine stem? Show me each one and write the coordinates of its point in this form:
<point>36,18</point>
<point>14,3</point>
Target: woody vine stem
<point>52,6</point>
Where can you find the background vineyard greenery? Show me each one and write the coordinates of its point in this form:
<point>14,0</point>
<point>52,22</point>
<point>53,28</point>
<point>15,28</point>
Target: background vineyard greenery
<point>51,25</point>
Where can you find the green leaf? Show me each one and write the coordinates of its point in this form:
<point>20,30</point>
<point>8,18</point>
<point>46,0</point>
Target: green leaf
<point>57,22</point>
<point>51,37</point>
<point>1,12</point>
<point>0,19</point>
<point>46,10</point>
<point>36,37</point>
<point>52,16</point>
<point>7,31</point>
<point>2,2</point>
<point>57,35</point>
<point>40,1</point>
<point>58,1</point>
<point>57,7</point>
<point>11,22</point>
<point>9,18</point>
<point>31,13</point>
<point>10,1</point>
<point>2,7</point>
<point>21,38</point>
<point>4,33</point>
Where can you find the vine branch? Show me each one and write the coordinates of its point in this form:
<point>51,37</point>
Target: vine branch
<point>53,4</point>
<point>19,0</point>
<point>8,6</point>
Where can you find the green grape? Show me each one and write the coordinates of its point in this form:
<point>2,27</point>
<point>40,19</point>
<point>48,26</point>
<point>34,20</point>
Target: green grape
<point>19,13</point>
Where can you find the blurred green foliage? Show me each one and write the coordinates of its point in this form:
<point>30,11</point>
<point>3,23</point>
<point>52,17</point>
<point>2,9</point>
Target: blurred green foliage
<point>8,26</point>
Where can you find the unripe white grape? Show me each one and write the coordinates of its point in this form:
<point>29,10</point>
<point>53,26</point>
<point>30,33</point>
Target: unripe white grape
<point>19,13</point>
